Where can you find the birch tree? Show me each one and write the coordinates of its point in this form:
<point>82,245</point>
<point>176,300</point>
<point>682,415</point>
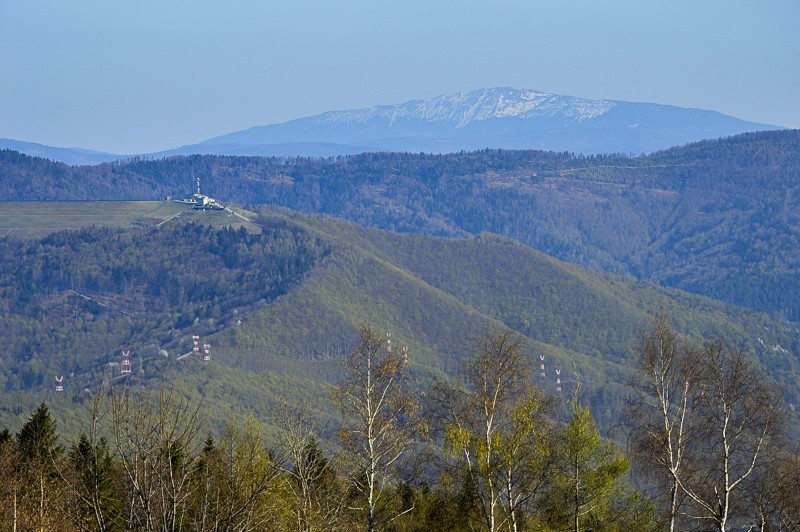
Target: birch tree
<point>660,413</point>
<point>497,430</point>
<point>738,412</point>
<point>380,423</point>
<point>701,422</point>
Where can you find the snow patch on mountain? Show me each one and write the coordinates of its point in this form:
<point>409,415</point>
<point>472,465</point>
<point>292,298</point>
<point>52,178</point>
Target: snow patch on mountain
<point>496,118</point>
<point>462,109</point>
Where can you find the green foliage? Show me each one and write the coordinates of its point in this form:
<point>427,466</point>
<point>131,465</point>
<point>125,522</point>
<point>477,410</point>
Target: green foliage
<point>589,491</point>
<point>80,295</point>
<point>96,483</point>
<point>168,472</point>
<point>37,439</point>
<point>714,217</point>
<point>284,307</point>
<point>232,483</point>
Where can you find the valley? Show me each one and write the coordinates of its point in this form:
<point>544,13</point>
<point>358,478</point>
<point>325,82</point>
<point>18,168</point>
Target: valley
<point>718,217</point>
<point>280,300</point>
<point>399,267</point>
<point>244,323</point>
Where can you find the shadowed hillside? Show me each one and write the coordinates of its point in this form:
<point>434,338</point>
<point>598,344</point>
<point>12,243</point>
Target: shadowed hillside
<point>718,218</point>
<point>280,308</point>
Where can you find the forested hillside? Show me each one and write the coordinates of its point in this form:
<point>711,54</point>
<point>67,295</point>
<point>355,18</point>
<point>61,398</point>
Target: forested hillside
<point>281,307</point>
<point>71,300</point>
<point>488,450</point>
<point>719,218</point>
<point>297,310</point>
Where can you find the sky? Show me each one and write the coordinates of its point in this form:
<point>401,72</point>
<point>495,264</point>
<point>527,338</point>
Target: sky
<point>135,77</point>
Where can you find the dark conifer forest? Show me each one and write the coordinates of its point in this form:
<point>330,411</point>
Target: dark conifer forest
<point>717,217</point>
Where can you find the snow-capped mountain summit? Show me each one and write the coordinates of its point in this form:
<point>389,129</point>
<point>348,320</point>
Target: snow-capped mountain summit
<point>463,108</point>
<point>486,118</point>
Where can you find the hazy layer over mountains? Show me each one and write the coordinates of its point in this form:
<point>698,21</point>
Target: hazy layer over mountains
<point>486,118</point>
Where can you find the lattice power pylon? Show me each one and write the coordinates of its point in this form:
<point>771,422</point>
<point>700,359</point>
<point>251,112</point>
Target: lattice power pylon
<point>125,367</point>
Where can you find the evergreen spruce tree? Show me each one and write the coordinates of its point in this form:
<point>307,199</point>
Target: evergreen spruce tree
<point>5,436</point>
<point>39,453</point>
<point>96,483</point>
<point>37,439</point>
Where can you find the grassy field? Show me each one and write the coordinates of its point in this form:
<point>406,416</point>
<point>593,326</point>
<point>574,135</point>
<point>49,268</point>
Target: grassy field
<point>35,219</point>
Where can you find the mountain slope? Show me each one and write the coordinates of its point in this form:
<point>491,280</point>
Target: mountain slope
<point>717,217</point>
<point>494,118</point>
<point>325,276</point>
<point>486,118</point>
<point>73,156</point>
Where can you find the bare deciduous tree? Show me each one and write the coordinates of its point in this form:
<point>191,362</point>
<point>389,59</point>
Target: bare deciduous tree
<point>316,502</point>
<point>772,492</point>
<point>380,422</point>
<point>737,411</point>
<point>156,442</point>
<point>701,422</point>
<point>660,413</point>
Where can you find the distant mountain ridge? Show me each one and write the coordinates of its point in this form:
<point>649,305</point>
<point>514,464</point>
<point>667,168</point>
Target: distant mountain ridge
<point>503,118</point>
<point>489,118</point>
<point>461,109</point>
<point>73,156</point>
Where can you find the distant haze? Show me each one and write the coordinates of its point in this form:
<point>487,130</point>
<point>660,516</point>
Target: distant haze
<point>486,118</point>
<point>150,76</point>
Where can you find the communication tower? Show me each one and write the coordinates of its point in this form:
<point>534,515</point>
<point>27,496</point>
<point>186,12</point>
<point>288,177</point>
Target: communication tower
<point>196,344</point>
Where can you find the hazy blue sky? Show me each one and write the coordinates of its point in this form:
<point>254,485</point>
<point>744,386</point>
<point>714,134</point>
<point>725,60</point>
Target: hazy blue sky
<point>146,75</point>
